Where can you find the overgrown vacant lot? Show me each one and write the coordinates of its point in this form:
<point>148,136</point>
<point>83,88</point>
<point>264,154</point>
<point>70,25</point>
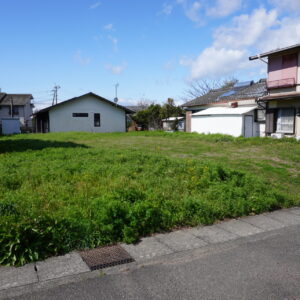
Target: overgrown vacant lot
<point>67,191</point>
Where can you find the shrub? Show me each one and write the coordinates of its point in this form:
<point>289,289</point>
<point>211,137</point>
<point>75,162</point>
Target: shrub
<point>32,239</point>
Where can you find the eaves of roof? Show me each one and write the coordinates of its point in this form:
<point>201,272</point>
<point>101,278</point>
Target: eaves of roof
<point>127,110</point>
<point>265,54</point>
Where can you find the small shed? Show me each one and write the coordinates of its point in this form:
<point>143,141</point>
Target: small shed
<point>238,121</point>
<point>169,123</point>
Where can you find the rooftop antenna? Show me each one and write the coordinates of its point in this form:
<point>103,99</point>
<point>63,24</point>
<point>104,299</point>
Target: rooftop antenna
<point>116,90</point>
<point>55,89</point>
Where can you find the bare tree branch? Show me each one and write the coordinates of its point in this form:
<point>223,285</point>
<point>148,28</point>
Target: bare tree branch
<point>201,87</point>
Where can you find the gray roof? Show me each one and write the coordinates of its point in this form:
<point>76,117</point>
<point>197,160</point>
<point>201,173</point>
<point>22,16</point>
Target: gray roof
<point>136,108</point>
<point>127,110</point>
<point>274,51</point>
<point>252,91</point>
<point>17,99</point>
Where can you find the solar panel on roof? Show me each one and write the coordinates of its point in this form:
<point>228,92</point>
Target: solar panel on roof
<point>243,84</point>
<point>229,93</point>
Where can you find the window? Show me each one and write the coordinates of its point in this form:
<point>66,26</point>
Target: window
<point>285,120</point>
<point>15,111</point>
<point>97,120</point>
<point>260,115</point>
<point>80,115</point>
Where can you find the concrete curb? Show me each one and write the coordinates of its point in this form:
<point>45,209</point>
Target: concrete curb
<point>152,247</point>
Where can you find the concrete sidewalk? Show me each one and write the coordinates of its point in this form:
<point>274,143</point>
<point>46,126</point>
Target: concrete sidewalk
<point>150,247</point>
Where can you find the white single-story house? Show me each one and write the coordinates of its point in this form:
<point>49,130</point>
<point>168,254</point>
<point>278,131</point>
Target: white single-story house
<point>168,124</point>
<point>238,121</point>
<point>88,112</point>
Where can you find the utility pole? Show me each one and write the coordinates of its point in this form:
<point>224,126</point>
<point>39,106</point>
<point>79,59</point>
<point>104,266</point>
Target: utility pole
<point>116,90</point>
<point>11,107</point>
<point>55,89</point>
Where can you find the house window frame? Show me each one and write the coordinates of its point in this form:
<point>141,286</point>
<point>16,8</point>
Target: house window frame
<point>279,116</point>
<point>97,120</point>
<point>257,118</point>
<point>15,110</point>
<point>80,115</point>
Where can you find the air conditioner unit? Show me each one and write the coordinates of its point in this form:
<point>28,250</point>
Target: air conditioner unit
<point>277,135</point>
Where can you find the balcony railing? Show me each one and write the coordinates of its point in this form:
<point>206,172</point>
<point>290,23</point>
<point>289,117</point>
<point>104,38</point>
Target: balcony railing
<point>282,83</point>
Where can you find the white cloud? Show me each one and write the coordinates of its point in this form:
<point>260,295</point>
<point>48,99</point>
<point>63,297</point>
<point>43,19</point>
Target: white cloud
<point>95,5</point>
<point>166,9</point>
<point>214,62</point>
<point>247,34</point>
<point>245,30</point>
<point>292,5</point>
<point>197,11</point>
<point>224,8</point>
<point>109,27</point>
<point>286,34</point>
<point>191,10</point>
<point>114,41</point>
<point>41,105</point>
<point>116,69</point>
<point>262,30</point>
<point>80,59</point>
<point>128,101</point>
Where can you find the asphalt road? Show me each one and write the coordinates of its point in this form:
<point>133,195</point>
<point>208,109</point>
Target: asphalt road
<point>264,266</point>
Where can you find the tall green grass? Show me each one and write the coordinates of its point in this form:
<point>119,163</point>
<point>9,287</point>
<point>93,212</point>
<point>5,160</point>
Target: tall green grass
<point>72,192</point>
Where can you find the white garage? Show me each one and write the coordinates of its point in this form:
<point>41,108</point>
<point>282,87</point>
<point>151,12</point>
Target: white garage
<point>237,121</point>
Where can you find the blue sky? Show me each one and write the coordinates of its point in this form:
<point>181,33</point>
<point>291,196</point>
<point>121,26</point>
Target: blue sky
<point>153,49</point>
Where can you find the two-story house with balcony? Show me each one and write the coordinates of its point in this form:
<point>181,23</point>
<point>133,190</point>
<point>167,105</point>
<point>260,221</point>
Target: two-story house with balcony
<point>282,100</point>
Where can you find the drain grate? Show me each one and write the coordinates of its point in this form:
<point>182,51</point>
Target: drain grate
<point>105,257</point>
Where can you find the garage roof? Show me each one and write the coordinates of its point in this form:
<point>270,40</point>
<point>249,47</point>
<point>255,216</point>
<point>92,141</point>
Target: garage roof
<point>225,111</point>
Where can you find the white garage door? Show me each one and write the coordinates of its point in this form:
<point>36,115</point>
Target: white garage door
<point>224,124</point>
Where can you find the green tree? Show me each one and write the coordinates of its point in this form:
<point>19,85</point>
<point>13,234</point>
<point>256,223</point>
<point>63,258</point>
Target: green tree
<point>151,117</point>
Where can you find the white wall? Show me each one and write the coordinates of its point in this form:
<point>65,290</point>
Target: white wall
<point>112,118</point>
<point>224,124</point>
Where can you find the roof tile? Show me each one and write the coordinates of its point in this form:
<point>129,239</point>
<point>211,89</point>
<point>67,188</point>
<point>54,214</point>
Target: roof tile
<point>253,91</point>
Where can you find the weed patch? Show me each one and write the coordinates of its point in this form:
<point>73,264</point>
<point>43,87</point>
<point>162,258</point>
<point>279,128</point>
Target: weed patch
<point>57,197</point>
